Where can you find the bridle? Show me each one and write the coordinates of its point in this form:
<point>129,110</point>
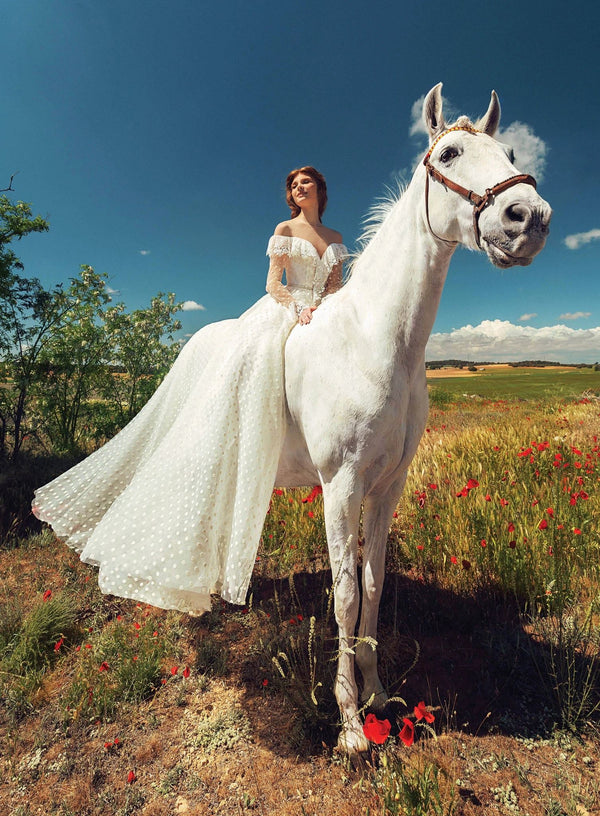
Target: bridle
<point>479,202</point>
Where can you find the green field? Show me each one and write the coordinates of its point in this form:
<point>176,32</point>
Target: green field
<point>520,383</point>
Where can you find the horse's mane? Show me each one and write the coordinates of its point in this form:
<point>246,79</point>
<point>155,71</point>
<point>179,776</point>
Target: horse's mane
<point>375,217</point>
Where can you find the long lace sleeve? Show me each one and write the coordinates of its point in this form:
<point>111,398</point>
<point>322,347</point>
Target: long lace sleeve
<point>335,279</point>
<point>275,287</point>
<point>278,252</point>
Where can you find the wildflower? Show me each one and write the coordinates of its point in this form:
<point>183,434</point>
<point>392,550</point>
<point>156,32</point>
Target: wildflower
<point>512,544</point>
<point>576,531</point>
<point>543,525</point>
<point>407,735</point>
<point>103,666</point>
<point>432,486</point>
<point>419,546</point>
<point>186,672</point>
<point>483,542</point>
<point>58,644</point>
<point>453,559</point>
<point>421,713</point>
<point>265,682</point>
<point>131,777</point>
<point>47,595</point>
<point>511,527</point>
<point>316,491</point>
<point>503,502</point>
<point>488,497</point>
<point>376,730</point>
<point>137,625</point>
<point>174,670</point>
<point>550,512</point>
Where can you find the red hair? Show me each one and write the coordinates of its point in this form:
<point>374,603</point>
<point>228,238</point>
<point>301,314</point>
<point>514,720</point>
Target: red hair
<point>319,180</point>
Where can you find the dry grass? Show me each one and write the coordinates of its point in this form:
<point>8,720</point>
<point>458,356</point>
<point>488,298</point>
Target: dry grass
<point>229,739</point>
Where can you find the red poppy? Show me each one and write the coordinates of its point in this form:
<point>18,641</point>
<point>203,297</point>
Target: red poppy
<point>131,777</point>
<point>186,672</point>
<point>550,512</point>
<point>376,730</point>
<point>576,531</point>
<point>137,625</point>
<point>511,527</point>
<point>543,524</point>
<point>432,486</point>
<point>174,670</point>
<point>316,491</point>
<point>58,644</point>
<point>503,502</point>
<point>421,713</point>
<point>104,666</point>
<point>311,514</point>
<point>407,735</point>
<point>47,595</point>
<point>483,542</point>
<point>488,497</point>
<point>512,544</point>
<point>453,559</point>
<point>265,682</point>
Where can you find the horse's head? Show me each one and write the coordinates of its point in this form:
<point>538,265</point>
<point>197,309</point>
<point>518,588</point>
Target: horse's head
<point>474,195</point>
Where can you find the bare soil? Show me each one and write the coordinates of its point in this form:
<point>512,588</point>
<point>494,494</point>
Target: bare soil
<point>496,745</point>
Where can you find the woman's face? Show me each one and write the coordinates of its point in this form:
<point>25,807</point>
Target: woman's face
<point>304,189</point>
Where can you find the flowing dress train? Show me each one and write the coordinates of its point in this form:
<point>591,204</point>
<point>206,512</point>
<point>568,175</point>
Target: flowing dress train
<point>171,509</point>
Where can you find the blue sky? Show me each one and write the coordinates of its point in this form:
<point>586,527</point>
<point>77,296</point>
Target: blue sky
<point>156,135</point>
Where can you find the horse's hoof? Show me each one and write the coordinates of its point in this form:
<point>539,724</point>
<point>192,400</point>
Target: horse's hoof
<point>352,742</point>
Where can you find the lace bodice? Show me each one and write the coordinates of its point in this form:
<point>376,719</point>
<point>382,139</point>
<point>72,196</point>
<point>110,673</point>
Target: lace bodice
<point>309,276</point>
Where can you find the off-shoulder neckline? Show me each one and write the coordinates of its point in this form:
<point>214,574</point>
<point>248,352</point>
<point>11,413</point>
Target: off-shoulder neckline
<point>310,243</point>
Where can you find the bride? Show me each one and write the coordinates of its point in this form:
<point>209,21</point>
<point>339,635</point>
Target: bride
<point>171,509</point>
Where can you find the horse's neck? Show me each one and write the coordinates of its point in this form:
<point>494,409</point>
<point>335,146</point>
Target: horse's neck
<point>397,284</point>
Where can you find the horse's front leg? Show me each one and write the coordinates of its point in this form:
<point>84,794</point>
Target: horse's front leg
<point>377,516</point>
<point>342,500</point>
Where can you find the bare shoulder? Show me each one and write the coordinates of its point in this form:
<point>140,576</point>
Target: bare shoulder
<point>284,228</point>
<point>332,236</point>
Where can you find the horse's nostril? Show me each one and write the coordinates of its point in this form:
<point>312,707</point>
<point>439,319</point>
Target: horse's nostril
<point>516,213</point>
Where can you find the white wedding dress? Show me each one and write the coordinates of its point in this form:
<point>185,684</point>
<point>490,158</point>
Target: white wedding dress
<point>171,509</point>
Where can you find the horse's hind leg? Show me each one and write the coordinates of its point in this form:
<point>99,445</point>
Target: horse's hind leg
<point>377,516</point>
<point>342,501</point>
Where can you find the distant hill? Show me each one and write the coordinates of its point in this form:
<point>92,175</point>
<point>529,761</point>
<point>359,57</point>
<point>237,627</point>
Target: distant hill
<point>436,364</point>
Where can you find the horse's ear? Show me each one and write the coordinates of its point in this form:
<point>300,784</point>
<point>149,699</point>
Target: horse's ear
<point>489,123</point>
<point>432,112</point>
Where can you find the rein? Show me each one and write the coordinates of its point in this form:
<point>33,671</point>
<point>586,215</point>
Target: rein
<point>479,202</point>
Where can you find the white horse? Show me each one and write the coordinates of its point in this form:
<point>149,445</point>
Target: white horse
<point>355,378</point>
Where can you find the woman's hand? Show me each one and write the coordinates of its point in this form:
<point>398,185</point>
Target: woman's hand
<point>305,315</point>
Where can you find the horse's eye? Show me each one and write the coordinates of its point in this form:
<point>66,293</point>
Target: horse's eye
<point>448,154</point>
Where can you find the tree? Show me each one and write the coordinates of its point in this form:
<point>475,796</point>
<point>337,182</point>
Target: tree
<point>141,357</point>
<point>27,315</point>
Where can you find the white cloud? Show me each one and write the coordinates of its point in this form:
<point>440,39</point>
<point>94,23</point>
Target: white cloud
<point>192,306</point>
<point>502,341</point>
<point>530,150</point>
<point>579,239</point>
<point>110,291</point>
<point>573,315</point>
<point>525,317</point>
<point>144,252</point>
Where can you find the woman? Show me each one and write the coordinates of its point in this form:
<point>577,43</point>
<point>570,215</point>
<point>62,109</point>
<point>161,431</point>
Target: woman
<point>171,509</point>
